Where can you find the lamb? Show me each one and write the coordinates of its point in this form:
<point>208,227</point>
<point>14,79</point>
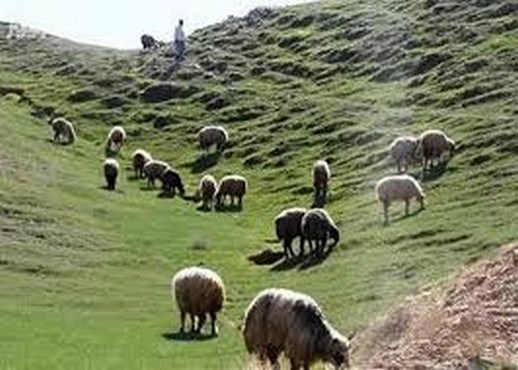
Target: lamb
<point>115,139</point>
<point>398,187</point>
<point>234,186</point>
<point>139,158</point>
<point>280,320</point>
<point>64,131</point>
<point>317,226</point>
<point>171,180</point>
<point>404,151</point>
<point>321,176</point>
<point>433,144</point>
<point>111,172</point>
<point>288,227</point>
<point>198,291</point>
<point>207,189</point>
<point>212,135</point>
<point>153,170</point>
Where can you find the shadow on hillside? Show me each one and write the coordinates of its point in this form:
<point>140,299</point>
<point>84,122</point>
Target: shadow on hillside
<point>116,191</point>
<point>278,262</point>
<point>266,257</point>
<point>187,337</point>
<point>204,162</point>
<point>230,208</point>
<point>319,200</point>
<point>435,172</point>
<point>402,217</point>
<point>147,188</point>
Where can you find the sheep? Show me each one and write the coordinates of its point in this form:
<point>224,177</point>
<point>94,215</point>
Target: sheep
<point>153,170</point>
<point>148,42</point>
<point>288,227</point>
<point>281,320</point>
<point>321,176</point>
<point>115,138</point>
<point>64,131</point>
<point>233,186</point>
<point>404,151</point>
<point>212,135</point>
<point>433,144</point>
<point>206,190</point>
<point>398,187</point>
<point>317,225</point>
<point>111,172</point>
<point>139,158</point>
<point>171,180</point>
<point>198,291</point>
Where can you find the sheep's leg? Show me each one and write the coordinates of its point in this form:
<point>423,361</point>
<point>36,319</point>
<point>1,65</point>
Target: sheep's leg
<point>182,321</point>
<point>173,190</point>
<point>273,356</point>
<point>306,366</point>
<point>285,247</point>
<point>294,365</point>
<point>407,206</point>
<point>213,318</point>
<point>240,201</point>
<point>301,252</point>
<point>323,244</point>
<point>193,323</point>
<point>201,321</point>
<point>310,242</point>
<point>385,211</point>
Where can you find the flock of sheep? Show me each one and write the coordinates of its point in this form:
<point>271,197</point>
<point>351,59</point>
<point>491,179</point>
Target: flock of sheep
<point>277,320</point>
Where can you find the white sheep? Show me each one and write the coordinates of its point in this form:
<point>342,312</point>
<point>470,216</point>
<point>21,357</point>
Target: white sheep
<point>433,144</point>
<point>139,159</point>
<point>115,139</point>
<point>207,189</point>
<point>234,186</point>
<point>64,131</point>
<point>404,152</point>
<point>318,226</point>
<point>153,170</point>
<point>111,172</point>
<point>398,187</point>
<point>198,291</point>
<point>288,227</point>
<point>212,135</point>
<point>280,320</point>
<point>321,176</point>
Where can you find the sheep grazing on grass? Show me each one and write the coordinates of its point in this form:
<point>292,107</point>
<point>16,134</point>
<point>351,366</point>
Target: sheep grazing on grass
<point>148,42</point>
<point>115,140</point>
<point>64,132</point>
<point>280,320</point>
<point>212,135</point>
<point>398,187</point>
<point>404,152</point>
<point>171,180</point>
<point>433,144</point>
<point>111,172</point>
<point>234,186</point>
<point>321,176</point>
<point>288,227</point>
<point>140,158</point>
<point>206,190</point>
<point>153,170</point>
<point>318,226</point>
<point>198,291</point>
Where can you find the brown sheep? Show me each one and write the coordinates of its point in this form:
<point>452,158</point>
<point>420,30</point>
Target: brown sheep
<point>318,226</point>
<point>139,158</point>
<point>198,291</point>
<point>321,176</point>
<point>288,227</point>
<point>64,131</point>
<point>206,190</point>
<point>404,152</point>
<point>111,172</point>
<point>280,320</point>
<point>115,140</point>
<point>212,135</point>
<point>398,187</point>
<point>153,170</point>
<point>234,186</point>
<point>433,144</point>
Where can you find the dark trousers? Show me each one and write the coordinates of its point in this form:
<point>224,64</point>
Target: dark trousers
<point>179,48</point>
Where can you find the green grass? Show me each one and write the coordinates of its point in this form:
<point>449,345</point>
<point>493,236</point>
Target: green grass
<point>84,273</point>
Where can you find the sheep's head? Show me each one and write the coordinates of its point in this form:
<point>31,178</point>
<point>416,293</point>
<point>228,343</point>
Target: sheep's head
<point>181,188</point>
<point>334,233</point>
<point>451,147</point>
<point>338,351</point>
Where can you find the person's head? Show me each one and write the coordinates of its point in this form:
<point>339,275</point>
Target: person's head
<point>180,22</point>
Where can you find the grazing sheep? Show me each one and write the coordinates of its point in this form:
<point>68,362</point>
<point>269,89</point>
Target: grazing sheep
<point>139,158</point>
<point>153,170</point>
<point>317,225</point>
<point>288,227</point>
<point>398,187</point>
<point>64,131</point>
<point>171,181</point>
<point>111,172</point>
<point>198,291</point>
<point>207,189</point>
<point>115,139</point>
<point>404,151</point>
<point>321,176</point>
<point>233,186</point>
<point>148,42</point>
<point>433,144</point>
<point>212,135</point>
<point>280,320</point>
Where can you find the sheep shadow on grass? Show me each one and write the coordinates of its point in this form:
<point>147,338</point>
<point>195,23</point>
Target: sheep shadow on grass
<point>205,161</point>
<point>402,217</point>
<point>187,336</point>
<point>434,173</point>
<point>116,191</point>
<point>230,208</point>
<point>266,257</point>
<point>319,200</point>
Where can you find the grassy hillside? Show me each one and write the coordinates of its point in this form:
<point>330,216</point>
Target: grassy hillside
<point>84,274</point>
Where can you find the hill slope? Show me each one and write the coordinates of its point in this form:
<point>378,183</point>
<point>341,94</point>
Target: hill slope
<point>336,80</point>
